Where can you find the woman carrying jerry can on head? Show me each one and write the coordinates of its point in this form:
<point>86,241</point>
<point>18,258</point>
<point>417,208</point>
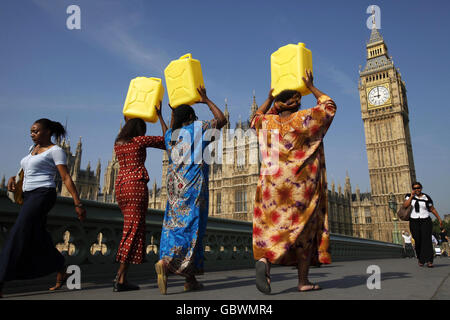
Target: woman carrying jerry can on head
<point>132,193</point>
<point>420,223</point>
<point>290,218</point>
<point>184,225</point>
<point>29,251</point>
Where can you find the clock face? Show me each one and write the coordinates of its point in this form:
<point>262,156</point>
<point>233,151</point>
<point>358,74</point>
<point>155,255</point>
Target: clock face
<point>378,96</point>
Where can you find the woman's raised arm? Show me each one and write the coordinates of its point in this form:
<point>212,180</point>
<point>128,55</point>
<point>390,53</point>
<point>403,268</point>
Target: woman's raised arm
<point>218,115</point>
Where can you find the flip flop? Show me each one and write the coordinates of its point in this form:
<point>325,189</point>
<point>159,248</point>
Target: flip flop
<point>261,277</point>
<point>313,287</point>
<point>193,286</point>
<point>59,284</point>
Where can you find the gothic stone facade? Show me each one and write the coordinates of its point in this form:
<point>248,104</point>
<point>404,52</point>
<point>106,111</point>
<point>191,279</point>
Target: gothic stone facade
<point>86,181</point>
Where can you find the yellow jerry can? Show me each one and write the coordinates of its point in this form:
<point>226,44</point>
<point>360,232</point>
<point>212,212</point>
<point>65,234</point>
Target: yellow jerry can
<point>143,94</point>
<point>288,66</point>
<point>183,77</point>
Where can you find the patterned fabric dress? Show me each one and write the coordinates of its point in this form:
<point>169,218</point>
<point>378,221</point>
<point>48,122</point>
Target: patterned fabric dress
<point>291,196</point>
<point>187,205</point>
<point>132,195</point>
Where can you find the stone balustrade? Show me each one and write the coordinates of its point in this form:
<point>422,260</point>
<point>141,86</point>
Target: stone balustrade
<point>228,243</point>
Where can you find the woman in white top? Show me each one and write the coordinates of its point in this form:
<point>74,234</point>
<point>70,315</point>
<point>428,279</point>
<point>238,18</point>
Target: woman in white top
<point>420,223</point>
<point>29,251</point>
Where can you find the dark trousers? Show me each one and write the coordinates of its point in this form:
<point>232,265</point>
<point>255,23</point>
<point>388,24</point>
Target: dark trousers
<point>29,251</point>
<point>409,250</point>
<point>421,230</point>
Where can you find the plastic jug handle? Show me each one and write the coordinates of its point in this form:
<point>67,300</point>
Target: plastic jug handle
<point>186,56</point>
<point>301,44</point>
<point>156,79</point>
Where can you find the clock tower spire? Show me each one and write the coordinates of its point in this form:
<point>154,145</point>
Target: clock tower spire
<point>384,110</point>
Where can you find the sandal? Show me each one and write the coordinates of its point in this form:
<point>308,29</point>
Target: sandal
<point>430,265</point>
<point>262,277</point>
<point>192,286</point>
<point>312,287</point>
<point>61,279</point>
<point>162,276</point>
<point>119,287</point>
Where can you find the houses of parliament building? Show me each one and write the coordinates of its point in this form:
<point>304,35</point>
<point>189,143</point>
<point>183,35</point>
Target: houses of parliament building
<point>232,184</point>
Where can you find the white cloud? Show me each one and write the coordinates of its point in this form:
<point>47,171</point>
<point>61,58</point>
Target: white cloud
<point>343,81</point>
<point>115,36</point>
<point>118,40</point>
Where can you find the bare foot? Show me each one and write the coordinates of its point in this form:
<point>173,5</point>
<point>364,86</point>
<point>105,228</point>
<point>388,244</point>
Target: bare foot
<point>61,279</point>
<point>308,287</point>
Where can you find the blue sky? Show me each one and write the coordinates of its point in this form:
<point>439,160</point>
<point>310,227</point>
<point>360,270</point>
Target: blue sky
<point>83,75</point>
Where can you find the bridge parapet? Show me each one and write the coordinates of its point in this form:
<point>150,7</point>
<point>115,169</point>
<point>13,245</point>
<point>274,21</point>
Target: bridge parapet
<point>228,243</point>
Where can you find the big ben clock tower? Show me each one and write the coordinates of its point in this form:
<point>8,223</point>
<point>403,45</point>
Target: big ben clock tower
<point>384,109</point>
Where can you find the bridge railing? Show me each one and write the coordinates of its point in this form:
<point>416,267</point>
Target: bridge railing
<point>228,243</point>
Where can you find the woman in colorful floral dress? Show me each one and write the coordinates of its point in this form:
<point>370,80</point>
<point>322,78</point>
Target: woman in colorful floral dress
<point>181,248</point>
<point>132,194</point>
<point>290,221</point>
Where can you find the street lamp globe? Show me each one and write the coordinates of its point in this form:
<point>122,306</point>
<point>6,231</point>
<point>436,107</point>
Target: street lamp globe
<point>392,202</point>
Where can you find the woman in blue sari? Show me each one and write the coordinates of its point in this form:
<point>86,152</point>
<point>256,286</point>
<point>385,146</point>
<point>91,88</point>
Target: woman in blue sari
<point>181,248</point>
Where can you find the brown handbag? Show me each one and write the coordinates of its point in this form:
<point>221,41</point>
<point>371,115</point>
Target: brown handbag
<point>404,213</point>
<point>16,196</point>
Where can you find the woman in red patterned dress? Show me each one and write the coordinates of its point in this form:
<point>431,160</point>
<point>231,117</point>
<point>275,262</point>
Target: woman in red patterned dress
<point>132,194</point>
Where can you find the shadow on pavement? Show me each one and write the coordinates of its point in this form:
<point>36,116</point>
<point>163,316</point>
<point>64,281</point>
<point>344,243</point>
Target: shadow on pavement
<point>350,281</point>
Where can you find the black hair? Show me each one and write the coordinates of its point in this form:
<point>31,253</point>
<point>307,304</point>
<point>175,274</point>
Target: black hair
<point>416,183</point>
<point>182,114</point>
<point>285,95</point>
<point>133,128</point>
<point>56,129</point>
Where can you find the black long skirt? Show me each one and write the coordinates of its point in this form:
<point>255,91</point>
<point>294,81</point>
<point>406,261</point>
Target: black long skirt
<point>29,251</point>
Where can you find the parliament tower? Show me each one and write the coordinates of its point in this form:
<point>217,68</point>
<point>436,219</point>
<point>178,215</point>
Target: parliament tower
<point>384,109</point>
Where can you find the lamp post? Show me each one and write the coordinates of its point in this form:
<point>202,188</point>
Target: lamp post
<point>393,206</point>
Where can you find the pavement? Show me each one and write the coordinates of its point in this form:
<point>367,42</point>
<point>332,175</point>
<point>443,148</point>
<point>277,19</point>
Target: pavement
<point>348,280</point>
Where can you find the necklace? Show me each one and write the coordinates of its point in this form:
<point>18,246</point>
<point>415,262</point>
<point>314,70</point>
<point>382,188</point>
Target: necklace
<point>39,148</point>
<point>280,120</point>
